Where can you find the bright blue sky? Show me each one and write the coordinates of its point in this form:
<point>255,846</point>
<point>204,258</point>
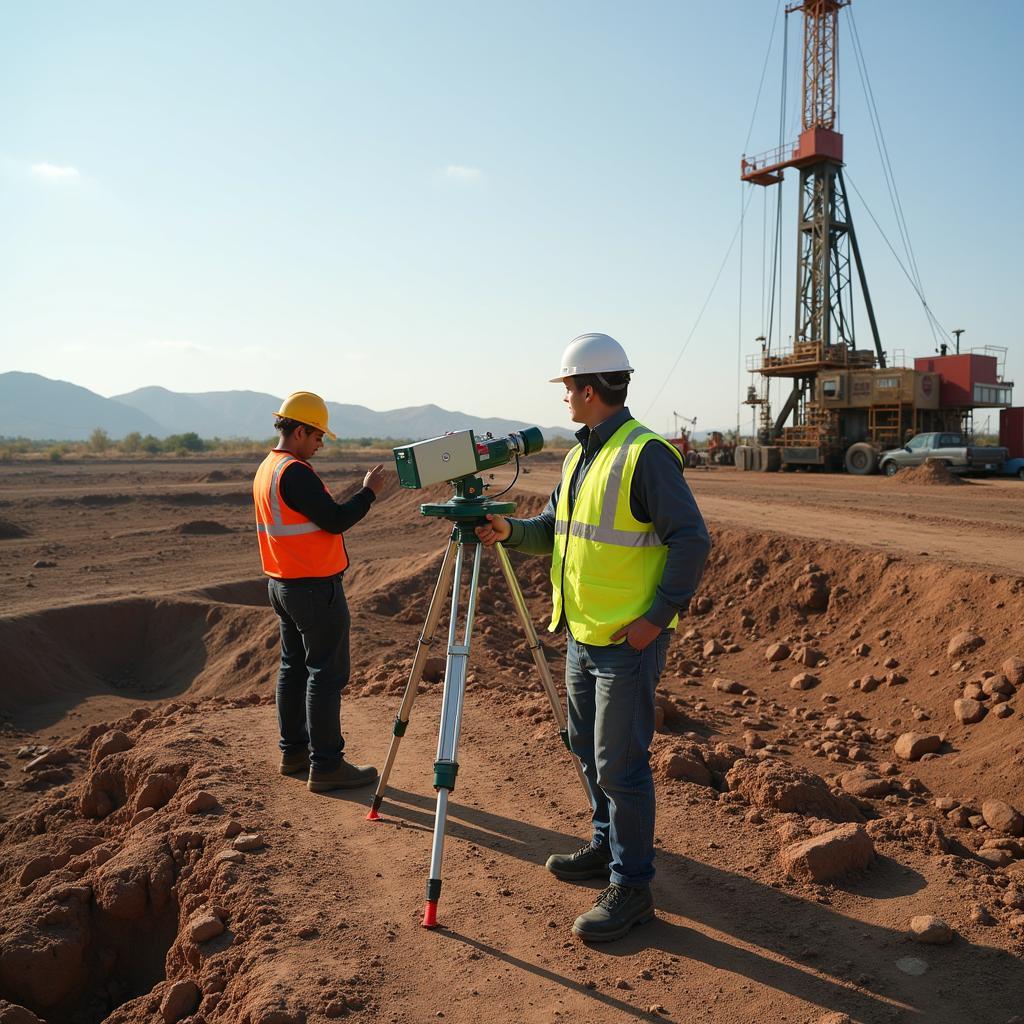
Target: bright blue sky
<point>413,202</point>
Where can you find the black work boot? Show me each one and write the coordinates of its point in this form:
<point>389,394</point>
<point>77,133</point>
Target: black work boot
<point>345,776</point>
<point>295,764</point>
<point>617,909</point>
<point>586,862</point>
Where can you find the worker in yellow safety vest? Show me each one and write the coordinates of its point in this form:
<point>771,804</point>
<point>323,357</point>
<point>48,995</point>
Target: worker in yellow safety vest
<point>628,546</point>
<point>299,527</point>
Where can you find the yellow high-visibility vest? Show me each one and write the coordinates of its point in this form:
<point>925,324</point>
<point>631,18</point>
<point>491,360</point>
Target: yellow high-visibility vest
<point>606,565</point>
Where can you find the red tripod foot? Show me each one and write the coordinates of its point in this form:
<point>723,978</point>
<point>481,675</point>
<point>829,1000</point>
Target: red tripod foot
<point>430,914</point>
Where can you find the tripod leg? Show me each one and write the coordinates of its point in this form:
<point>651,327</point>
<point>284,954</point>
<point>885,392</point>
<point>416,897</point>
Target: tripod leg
<point>415,673</point>
<point>446,766</point>
<point>540,661</point>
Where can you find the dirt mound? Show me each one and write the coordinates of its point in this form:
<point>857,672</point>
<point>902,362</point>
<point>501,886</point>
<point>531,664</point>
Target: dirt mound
<point>202,526</point>
<point>930,474</point>
<point>10,531</point>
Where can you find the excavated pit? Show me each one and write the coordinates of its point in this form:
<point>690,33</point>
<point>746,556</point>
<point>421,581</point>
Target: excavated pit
<point>139,648</point>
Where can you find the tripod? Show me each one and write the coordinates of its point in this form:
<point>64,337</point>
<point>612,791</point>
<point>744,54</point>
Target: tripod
<point>466,514</point>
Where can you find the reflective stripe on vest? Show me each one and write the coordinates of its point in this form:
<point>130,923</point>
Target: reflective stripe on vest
<point>291,546</point>
<point>278,528</point>
<point>606,565</point>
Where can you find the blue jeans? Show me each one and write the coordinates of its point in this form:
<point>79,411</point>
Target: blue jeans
<point>611,725</point>
<point>314,667</point>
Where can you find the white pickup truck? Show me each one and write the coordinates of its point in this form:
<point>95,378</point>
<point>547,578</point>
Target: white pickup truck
<point>950,449</point>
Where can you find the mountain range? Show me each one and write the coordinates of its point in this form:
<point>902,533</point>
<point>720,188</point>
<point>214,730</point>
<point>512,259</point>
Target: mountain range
<point>41,409</point>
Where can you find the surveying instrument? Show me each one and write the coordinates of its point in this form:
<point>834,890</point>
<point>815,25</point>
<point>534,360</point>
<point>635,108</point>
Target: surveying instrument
<point>458,458</point>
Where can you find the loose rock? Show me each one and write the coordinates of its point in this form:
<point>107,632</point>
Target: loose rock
<point>912,745</point>
<point>181,999</point>
<point>1001,817</point>
<point>830,855</point>
<point>930,929</point>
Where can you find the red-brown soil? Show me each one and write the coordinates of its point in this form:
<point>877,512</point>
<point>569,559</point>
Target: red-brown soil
<point>115,874</point>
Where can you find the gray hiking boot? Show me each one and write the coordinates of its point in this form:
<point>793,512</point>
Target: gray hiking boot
<point>345,776</point>
<point>295,764</point>
<point>617,909</point>
<point>586,862</point>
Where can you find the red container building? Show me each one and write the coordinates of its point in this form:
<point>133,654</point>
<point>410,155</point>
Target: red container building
<point>969,380</point>
<point>1011,431</point>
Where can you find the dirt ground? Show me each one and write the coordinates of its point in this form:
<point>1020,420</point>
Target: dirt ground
<point>138,656</point>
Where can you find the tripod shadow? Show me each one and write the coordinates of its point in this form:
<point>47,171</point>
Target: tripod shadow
<point>832,961</point>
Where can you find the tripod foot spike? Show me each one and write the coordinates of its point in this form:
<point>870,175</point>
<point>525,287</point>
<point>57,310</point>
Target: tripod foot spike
<point>430,914</point>
<point>373,815</point>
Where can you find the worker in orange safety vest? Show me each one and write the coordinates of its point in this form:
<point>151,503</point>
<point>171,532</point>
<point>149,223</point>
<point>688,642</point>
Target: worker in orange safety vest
<point>302,549</point>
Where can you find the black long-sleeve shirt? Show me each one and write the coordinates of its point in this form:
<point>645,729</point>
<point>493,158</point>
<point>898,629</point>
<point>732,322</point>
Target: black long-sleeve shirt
<point>304,492</point>
<point>659,495</point>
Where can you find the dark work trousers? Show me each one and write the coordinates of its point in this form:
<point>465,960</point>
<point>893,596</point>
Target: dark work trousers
<point>314,667</point>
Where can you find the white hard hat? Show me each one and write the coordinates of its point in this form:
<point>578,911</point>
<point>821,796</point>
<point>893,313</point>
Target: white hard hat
<point>592,353</point>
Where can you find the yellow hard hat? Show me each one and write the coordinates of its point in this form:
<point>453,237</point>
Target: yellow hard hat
<point>307,408</point>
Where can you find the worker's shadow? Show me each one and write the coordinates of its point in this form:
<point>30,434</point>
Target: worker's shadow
<point>831,961</point>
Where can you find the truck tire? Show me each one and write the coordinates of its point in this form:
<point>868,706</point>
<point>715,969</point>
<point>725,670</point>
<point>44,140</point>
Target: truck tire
<point>1020,473</point>
<point>861,459</point>
<point>891,468</point>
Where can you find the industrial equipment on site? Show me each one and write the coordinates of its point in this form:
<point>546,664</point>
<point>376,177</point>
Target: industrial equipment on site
<point>458,458</point>
<point>847,401</point>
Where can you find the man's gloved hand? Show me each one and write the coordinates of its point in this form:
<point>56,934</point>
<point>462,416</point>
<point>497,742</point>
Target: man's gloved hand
<point>639,633</point>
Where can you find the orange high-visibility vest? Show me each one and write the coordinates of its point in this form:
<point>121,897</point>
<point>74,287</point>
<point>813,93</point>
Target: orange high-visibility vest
<point>291,546</point>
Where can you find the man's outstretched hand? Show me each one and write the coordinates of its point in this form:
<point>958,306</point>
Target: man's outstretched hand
<point>375,479</point>
<point>494,530</point>
<point>638,634</point>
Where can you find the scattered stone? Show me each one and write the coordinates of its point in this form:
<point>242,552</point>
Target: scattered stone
<point>728,686</point>
<point>891,663</point>
<point>803,681</point>
<point>830,855</point>
<point>777,652</point>
<point>249,841</point>
<point>713,648</point>
<point>231,829</point>
<point>201,802</point>
<point>861,784</point>
<point>809,656</point>
<point>869,683</point>
<point>229,857</point>
<point>912,745</point>
<point>998,684</point>
<point>682,764</point>
<point>156,791</point>
<point>945,803</point>
<point>968,711</point>
<point>113,742</point>
<point>964,643</point>
<point>1001,817</point>
<point>204,926</point>
<point>180,1001</point>
<point>1002,711</point>
<point>1013,669</point>
<point>44,563</point>
<point>930,929</point>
